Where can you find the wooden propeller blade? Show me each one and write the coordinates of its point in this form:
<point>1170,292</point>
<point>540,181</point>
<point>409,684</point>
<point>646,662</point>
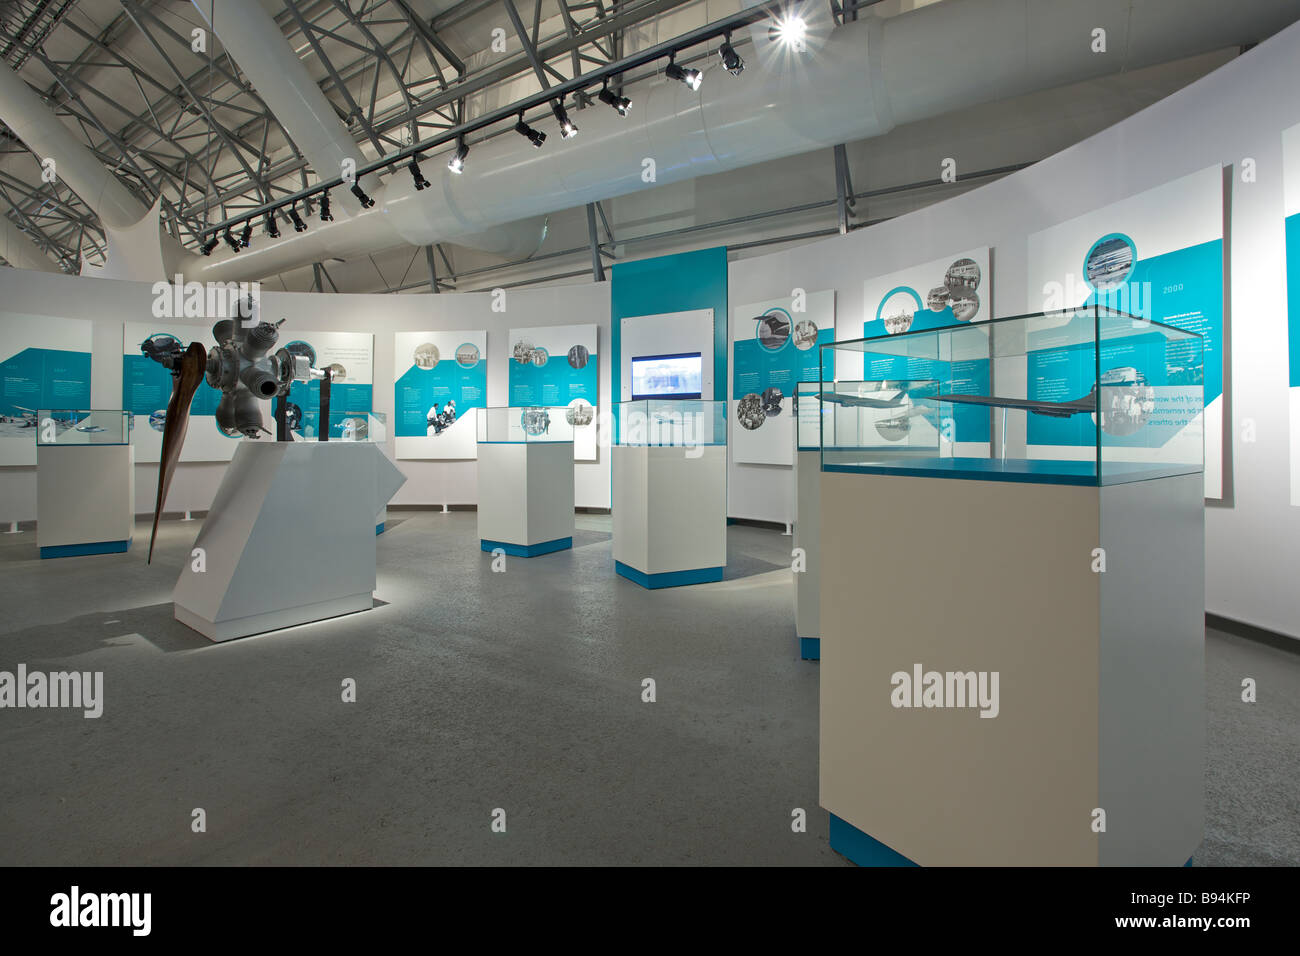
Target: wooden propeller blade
<point>184,385</point>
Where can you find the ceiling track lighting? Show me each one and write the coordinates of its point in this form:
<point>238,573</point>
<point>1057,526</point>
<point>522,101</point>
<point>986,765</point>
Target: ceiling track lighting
<point>247,235</point>
<point>731,61</point>
<point>568,129</point>
<point>272,227</point>
<point>416,175</point>
<point>231,241</point>
<point>208,246</point>
<point>620,103</point>
<point>298,224</point>
<point>366,201</point>
<point>457,162</point>
<point>692,78</point>
<point>534,136</point>
<point>325,215</point>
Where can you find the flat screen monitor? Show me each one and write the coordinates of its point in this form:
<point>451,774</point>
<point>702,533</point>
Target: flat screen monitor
<point>680,375</point>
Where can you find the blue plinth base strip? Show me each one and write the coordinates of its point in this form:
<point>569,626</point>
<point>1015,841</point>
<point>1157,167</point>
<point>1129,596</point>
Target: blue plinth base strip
<point>379,528</point>
<point>849,841</point>
<point>77,550</point>
<point>810,648</point>
<point>668,579</point>
<point>526,550</point>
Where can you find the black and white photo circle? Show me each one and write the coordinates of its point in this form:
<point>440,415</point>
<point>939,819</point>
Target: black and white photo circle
<point>467,355</point>
<point>897,311</point>
<point>965,306</point>
<point>337,372</point>
<point>578,356</point>
<point>773,329</point>
<point>962,276</point>
<point>749,411</point>
<point>579,413</point>
<point>772,398</point>
<point>535,421</point>
<point>938,299</point>
<point>805,334</point>
<point>540,357</point>
<point>523,351</point>
<point>299,347</point>
<point>1109,262</point>
<point>1126,401</point>
<point>426,355</point>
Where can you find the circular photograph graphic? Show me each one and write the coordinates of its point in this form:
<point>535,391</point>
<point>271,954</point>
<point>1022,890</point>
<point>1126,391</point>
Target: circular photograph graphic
<point>535,421</point>
<point>1109,261</point>
<point>158,420</point>
<point>773,329</point>
<point>354,429</point>
<point>897,310</point>
<point>467,355</point>
<point>1126,401</point>
<point>338,373</point>
<point>938,299</point>
<point>965,306</point>
<point>579,414</point>
<point>579,356</point>
<point>426,355</point>
<point>962,276</point>
<point>540,357</point>
<point>523,351</point>
<point>772,401</point>
<point>162,342</point>
<point>805,334</point>
<point>292,416</point>
<point>894,429</point>
<point>749,411</point>
<point>299,347</point>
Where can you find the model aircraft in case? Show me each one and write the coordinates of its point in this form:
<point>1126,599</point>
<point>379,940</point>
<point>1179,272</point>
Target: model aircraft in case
<point>1079,406</point>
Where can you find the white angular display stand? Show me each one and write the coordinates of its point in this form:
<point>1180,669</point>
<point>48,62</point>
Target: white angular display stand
<point>525,497</point>
<point>1100,701</point>
<point>807,537</point>
<point>670,513</point>
<point>290,538</point>
<point>85,499</point>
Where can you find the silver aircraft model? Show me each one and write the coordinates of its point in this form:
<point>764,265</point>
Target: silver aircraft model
<point>1079,406</point>
<point>882,397</point>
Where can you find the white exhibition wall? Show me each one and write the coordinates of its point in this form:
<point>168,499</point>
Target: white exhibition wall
<point>1232,115</point>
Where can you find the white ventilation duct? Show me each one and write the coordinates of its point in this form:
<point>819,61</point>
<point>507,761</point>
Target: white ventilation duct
<point>865,78</point>
<point>17,249</point>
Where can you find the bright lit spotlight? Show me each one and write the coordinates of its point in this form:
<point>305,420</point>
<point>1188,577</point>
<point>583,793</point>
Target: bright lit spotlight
<point>534,136</point>
<point>792,30</point>
<point>457,162</point>
<point>620,103</point>
<point>692,78</point>
<point>731,61</point>
<point>567,128</point>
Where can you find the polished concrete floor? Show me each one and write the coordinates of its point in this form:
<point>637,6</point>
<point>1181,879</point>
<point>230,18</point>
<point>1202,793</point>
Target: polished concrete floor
<point>477,691</point>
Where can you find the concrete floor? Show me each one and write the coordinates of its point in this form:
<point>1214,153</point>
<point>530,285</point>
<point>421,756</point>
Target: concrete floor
<point>478,691</point>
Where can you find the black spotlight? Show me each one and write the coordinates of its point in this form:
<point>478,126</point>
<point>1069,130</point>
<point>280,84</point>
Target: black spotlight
<point>535,136</point>
<point>620,103</point>
<point>298,224</point>
<point>567,128</point>
<point>731,61</point>
<point>246,236</point>
<point>457,162</point>
<point>420,181</point>
<point>691,78</point>
<point>366,201</point>
<point>231,241</point>
<point>272,227</point>
<point>325,207</point>
<point>208,246</point>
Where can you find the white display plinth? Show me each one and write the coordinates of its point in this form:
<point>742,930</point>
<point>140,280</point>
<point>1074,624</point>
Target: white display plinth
<point>290,538</point>
<point>525,497</point>
<point>670,513</point>
<point>85,499</point>
<point>807,537</point>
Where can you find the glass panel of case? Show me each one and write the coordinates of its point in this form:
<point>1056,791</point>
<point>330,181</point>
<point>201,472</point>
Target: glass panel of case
<point>97,426</point>
<point>532,423</point>
<point>685,422</point>
<point>1080,396</point>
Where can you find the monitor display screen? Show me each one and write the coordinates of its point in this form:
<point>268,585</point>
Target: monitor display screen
<point>667,376</point>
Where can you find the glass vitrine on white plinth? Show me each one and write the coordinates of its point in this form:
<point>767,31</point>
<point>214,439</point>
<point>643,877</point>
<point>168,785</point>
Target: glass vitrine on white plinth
<point>85,482</point>
<point>670,491</point>
<point>525,481</point>
<point>371,427</point>
<point>807,519</point>
<point>1012,560</point>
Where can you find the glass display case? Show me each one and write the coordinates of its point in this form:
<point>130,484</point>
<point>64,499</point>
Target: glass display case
<point>371,427</point>
<point>530,423</point>
<point>808,412</point>
<point>97,426</point>
<point>1079,396</point>
<point>685,422</point>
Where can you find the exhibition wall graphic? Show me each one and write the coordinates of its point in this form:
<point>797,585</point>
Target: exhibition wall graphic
<point>1157,255</point>
<point>351,358</point>
<point>442,379</point>
<point>44,364</point>
<point>774,346</point>
<point>1291,213</point>
<point>556,367</point>
<point>954,290</point>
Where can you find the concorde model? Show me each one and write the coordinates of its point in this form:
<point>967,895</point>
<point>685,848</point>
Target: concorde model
<point>1079,406</point>
<point>881,397</point>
